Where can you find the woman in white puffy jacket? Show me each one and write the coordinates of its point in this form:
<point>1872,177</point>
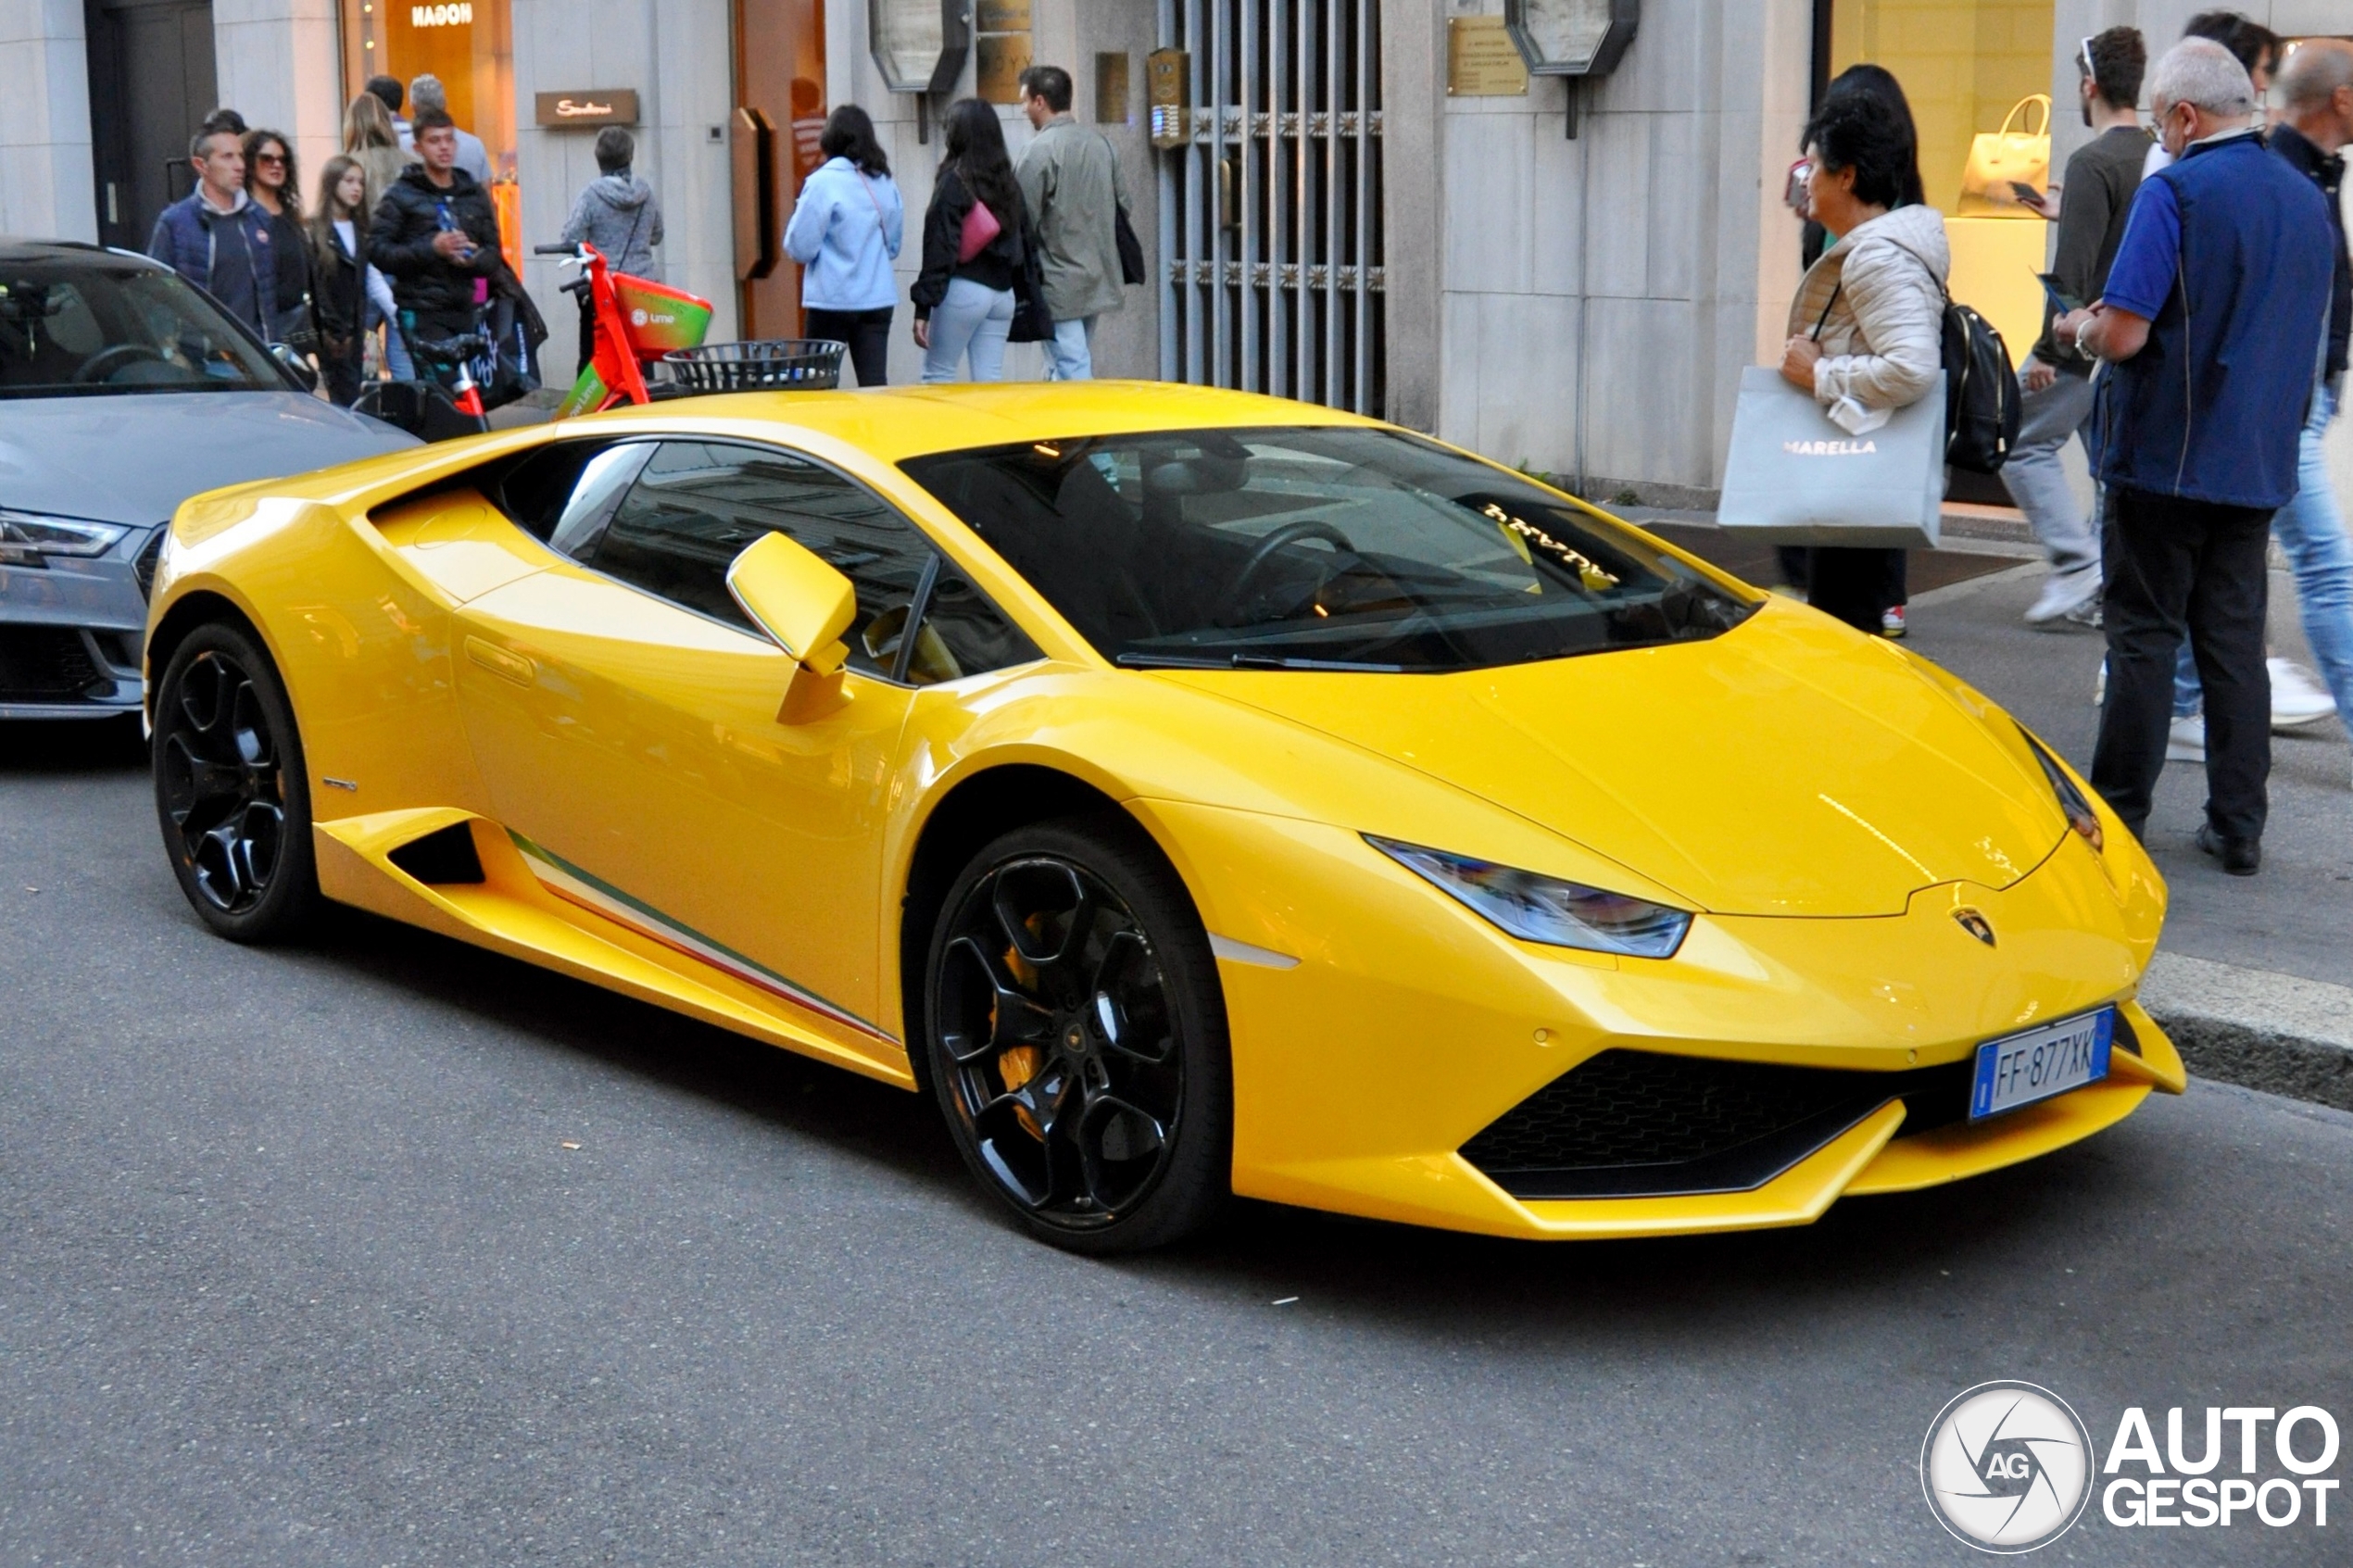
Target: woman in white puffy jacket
<point>1866,328</point>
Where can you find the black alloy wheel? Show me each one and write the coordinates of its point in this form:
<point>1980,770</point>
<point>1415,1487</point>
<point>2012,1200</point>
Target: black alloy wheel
<point>231,796</point>
<point>1077,1037</point>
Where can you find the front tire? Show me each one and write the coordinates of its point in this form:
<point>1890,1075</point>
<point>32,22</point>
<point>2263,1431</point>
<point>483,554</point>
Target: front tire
<point>1075,1036</point>
<point>232,797</point>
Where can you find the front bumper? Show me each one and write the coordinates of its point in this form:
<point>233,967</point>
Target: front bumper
<point>1409,1026</point>
<point>71,629</point>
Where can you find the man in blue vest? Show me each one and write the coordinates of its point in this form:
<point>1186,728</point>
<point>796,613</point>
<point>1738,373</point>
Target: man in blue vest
<point>2210,324</point>
<point>216,236</point>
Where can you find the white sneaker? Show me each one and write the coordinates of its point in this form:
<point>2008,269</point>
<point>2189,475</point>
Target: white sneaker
<point>2298,697</point>
<point>2063,592</point>
<point>2186,741</point>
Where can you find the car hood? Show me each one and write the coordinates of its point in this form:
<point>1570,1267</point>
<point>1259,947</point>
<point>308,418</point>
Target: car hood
<point>1787,768</point>
<point>133,459</point>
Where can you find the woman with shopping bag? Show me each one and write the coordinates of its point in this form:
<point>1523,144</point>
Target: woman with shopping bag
<point>1865,330</point>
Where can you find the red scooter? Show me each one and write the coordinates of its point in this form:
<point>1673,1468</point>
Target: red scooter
<point>637,323</point>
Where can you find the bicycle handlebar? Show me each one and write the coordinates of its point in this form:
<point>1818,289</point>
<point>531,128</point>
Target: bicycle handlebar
<point>553,250</point>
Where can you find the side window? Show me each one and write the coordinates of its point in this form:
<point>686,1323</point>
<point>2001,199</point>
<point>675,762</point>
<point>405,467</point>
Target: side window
<point>563,493</point>
<point>696,505</point>
<point>962,633</point>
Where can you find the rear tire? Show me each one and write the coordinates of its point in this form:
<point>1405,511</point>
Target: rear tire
<point>232,797</point>
<point>1075,1032</point>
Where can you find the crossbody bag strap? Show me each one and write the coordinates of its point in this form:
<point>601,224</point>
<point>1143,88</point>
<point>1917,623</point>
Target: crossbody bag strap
<point>1831,304</point>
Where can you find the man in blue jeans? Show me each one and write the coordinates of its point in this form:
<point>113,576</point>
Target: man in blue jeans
<point>2213,318</point>
<point>2318,85</point>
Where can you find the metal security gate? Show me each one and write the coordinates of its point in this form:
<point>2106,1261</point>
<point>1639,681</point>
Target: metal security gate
<point>1270,210</point>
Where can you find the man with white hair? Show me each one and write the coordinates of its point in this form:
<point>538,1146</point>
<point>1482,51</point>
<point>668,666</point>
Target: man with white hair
<point>2211,322</point>
<point>427,92</point>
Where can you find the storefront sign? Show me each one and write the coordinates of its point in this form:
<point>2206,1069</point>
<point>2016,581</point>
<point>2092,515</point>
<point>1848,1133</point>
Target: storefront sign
<point>1482,61</point>
<point>1000,49</point>
<point>588,107</point>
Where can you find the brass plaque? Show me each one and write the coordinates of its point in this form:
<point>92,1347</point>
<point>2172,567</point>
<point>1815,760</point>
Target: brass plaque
<point>998,59</point>
<point>1001,15</point>
<point>1111,89</point>
<point>1482,61</point>
<point>589,107</point>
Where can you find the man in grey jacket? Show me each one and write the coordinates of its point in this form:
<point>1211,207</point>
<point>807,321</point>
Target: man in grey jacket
<point>1070,180</point>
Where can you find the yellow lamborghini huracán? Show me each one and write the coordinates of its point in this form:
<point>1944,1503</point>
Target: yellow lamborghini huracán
<point>1197,793</point>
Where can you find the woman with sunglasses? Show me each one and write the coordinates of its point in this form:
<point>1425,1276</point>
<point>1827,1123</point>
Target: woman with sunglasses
<point>272,181</point>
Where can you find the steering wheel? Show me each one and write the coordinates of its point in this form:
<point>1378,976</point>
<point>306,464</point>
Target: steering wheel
<point>102,365</point>
<point>1281,539</point>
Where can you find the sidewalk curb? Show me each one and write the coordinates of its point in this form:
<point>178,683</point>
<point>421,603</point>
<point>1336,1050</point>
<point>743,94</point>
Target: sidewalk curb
<point>2277,1033</point>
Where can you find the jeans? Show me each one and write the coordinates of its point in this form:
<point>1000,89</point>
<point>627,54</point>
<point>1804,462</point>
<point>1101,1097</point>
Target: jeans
<point>2038,484</point>
<point>2311,534</point>
<point>2168,564</point>
<point>868,334</point>
<point>972,319</point>
<point>1070,353</point>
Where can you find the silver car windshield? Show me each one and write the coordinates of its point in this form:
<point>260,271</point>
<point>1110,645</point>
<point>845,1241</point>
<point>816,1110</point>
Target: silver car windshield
<point>1305,548</point>
<point>77,327</point>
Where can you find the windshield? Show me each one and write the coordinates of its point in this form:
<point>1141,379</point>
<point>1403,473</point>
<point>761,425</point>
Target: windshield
<point>94,326</point>
<point>1308,548</point>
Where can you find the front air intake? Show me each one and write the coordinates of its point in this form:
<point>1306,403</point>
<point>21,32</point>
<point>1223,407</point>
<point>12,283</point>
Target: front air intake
<point>1644,1124</point>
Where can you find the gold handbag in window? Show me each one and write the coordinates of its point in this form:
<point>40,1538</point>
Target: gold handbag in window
<point>1999,161</point>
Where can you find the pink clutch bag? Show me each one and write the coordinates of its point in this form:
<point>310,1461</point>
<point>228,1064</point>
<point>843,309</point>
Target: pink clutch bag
<point>981,227</point>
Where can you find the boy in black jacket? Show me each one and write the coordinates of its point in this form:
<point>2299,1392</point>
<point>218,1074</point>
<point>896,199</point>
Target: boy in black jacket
<point>435,235</point>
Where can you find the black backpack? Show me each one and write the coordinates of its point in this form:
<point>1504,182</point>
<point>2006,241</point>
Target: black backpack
<point>1980,386</point>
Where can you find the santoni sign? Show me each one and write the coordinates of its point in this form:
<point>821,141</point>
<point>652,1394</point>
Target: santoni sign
<point>587,106</point>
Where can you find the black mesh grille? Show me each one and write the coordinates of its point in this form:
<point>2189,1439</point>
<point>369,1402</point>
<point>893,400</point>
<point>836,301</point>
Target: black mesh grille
<point>1634,1124</point>
<point>46,664</point>
<point>144,567</point>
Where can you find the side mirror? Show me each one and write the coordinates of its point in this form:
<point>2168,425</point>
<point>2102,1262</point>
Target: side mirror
<point>295,366</point>
<point>804,606</point>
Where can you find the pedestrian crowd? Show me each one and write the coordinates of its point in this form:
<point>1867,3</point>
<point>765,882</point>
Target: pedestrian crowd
<point>2194,342</point>
<point>402,248</point>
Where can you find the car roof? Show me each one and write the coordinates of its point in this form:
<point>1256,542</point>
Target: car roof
<point>896,424</point>
<point>15,249</point>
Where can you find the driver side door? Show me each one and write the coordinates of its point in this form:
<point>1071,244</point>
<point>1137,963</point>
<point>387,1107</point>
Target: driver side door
<point>624,714</point>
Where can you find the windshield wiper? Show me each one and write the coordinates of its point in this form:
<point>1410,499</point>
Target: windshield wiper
<point>1248,661</point>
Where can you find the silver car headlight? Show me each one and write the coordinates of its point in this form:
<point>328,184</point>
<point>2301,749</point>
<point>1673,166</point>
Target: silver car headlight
<point>1544,908</point>
<point>26,537</point>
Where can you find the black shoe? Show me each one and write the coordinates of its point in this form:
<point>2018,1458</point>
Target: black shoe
<point>2240,857</point>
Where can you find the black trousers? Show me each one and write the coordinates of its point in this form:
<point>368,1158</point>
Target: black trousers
<point>2175,566</point>
<point>1857,586</point>
<point>868,334</point>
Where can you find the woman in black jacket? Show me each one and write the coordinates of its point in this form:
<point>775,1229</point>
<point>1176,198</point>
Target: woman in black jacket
<point>964,295</point>
<point>275,187</point>
<point>339,275</point>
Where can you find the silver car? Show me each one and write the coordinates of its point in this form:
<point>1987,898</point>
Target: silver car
<point>123,391</point>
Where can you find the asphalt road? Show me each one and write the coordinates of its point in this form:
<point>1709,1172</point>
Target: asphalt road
<point>297,1267</point>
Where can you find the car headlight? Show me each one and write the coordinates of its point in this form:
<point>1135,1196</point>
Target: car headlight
<point>26,537</point>
<point>1544,908</point>
<point>2079,815</point>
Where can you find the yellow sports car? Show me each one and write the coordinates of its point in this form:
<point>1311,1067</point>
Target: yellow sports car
<point>1198,793</point>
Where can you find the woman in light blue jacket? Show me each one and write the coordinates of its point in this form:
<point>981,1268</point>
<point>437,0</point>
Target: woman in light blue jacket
<point>845,231</point>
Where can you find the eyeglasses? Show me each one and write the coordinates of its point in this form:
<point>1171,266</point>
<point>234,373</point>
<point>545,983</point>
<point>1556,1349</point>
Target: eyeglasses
<point>279,159</point>
<point>2084,58</point>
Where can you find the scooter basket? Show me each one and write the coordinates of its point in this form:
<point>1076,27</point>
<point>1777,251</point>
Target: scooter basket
<point>780,364</point>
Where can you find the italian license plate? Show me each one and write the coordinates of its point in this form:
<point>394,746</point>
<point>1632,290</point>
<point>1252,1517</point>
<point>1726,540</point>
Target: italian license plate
<point>2020,1069</point>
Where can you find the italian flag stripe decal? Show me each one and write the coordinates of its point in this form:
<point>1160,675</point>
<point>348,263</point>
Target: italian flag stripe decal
<point>575,885</point>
